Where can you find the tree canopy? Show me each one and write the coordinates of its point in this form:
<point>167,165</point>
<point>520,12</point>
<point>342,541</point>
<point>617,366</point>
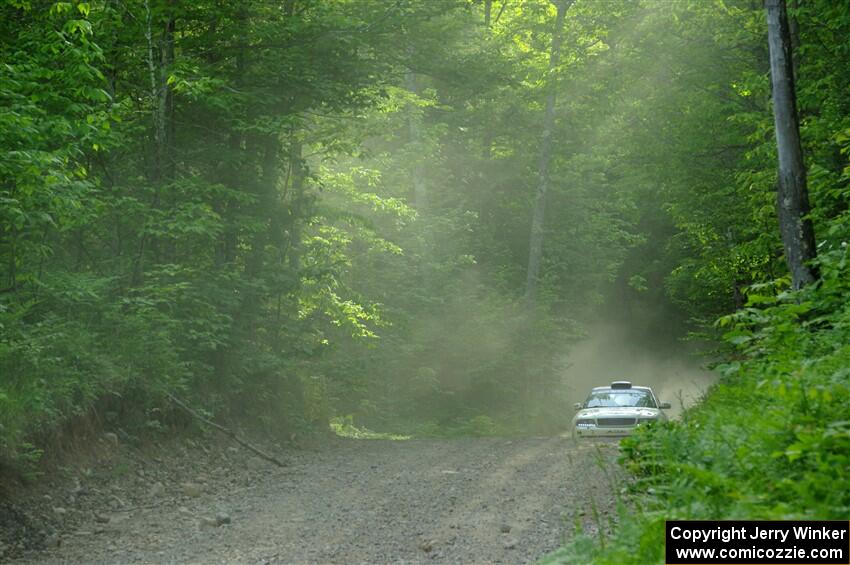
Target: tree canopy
<point>299,210</point>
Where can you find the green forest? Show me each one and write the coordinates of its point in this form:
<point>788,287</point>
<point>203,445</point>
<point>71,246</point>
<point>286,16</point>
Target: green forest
<point>400,216</point>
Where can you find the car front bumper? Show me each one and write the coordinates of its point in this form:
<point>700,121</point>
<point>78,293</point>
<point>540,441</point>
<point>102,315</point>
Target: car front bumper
<point>603,431</point>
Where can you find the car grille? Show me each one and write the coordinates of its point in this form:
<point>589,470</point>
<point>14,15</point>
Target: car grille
<point>614,422</point>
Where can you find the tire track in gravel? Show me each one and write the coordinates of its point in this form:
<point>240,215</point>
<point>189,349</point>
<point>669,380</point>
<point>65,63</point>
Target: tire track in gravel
<point>467,500</point>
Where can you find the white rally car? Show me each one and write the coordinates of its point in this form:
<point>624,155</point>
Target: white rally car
<point>616,410</point>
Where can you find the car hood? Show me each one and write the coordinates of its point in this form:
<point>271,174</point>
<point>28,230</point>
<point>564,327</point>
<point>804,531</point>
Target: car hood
<point>618,412</point>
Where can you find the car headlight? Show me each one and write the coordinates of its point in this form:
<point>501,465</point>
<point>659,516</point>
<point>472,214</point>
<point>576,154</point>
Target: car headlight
<point>585,423</point>
<point>647,419</point>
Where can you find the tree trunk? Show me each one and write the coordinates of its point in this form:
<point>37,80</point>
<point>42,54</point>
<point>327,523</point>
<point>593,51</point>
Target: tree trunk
<point>160,92</point>
<point>166,101</point>
<point>794,32</point>
<point>792,201</point>
<point>266,206</point>
<point>535,252</point>
<point>420,189</point>
<point>297,204</point>
<point>160,59</point>
<point>488,129</point>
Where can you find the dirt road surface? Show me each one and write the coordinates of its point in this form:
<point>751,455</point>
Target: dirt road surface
<point>471,500</point>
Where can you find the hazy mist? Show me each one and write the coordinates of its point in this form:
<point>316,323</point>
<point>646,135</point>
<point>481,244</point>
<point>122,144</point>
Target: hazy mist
<point>612,352</point>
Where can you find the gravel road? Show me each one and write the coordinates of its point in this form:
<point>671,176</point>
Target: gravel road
<point>470,500</point>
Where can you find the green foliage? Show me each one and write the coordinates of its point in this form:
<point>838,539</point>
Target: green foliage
<point>771,440</point>
<point>215,200</point>
<point>160,229</point>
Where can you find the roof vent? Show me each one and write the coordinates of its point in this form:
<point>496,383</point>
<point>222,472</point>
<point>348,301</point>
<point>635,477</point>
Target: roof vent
<point>621,384</point>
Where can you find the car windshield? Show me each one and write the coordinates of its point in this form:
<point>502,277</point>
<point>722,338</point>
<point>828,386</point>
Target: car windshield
<point>620,398</point>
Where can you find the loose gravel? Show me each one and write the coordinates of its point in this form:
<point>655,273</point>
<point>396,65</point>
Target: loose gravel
<point>468,500</point>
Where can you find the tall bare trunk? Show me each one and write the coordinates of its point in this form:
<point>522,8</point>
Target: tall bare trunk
<point>488,128</point>
<point>420,189</point>
<point>798,236</point>
<point>160,58</point>
<point>297,202</point>
<point>166,101</point>
<point>483,199</point>
<point>535,252</point>
<point>794,32</point>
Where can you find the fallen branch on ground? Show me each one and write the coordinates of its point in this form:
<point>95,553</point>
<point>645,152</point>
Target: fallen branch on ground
<point>232,435</point>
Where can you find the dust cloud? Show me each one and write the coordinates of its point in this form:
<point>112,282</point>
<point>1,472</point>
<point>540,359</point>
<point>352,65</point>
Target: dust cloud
<point>612,352</point>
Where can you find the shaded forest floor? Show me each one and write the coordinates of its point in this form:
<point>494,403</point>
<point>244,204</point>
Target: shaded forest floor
<point>460,500</point>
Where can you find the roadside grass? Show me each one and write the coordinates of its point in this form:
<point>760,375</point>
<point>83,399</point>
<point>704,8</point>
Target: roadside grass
<point>771,440</point>
<point>343,426</point>
<point>479,426</point>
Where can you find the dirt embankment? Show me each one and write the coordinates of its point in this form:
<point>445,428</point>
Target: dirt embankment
<point>471,500</point>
